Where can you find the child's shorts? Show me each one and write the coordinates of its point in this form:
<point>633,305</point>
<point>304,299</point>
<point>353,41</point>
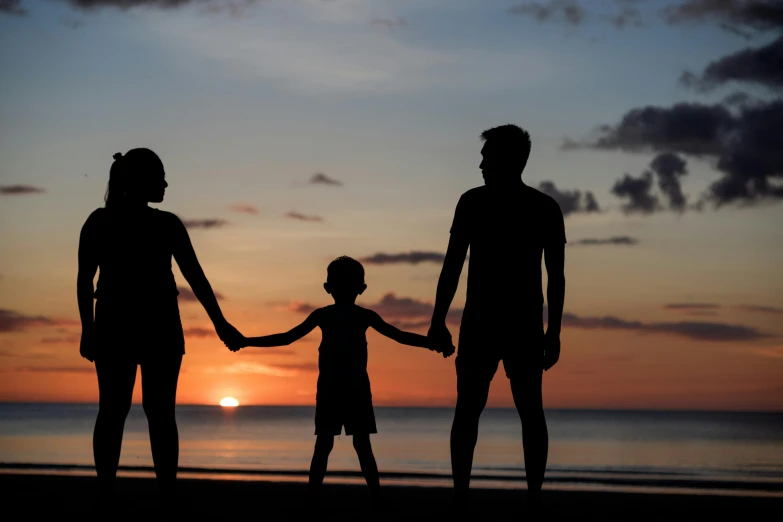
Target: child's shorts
<point>358,417</point>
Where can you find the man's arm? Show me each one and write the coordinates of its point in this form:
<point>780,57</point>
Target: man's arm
<point>448,282</point>
<point>554,258</point>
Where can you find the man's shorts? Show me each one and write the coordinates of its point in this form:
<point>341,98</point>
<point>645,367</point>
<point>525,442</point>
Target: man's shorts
<point>522,353</point>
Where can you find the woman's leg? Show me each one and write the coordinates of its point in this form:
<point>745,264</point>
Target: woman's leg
<point>115,386</point>
<point>159,390</point>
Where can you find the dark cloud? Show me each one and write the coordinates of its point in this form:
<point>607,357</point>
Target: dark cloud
<point>319,178</point>
<point>670,168</point>
<point>628,16</point>
<point>186,294</point>
<point>692,306</point>
<point>413,257</point>
<point>12,7</point>
<point>244,208</point>
<point>389,23</point>
<point>616,240</point>
<point>760,15</point>
<point>55,369</point>
<point>19,190</point>
<point>304,217</point>
<point>73,339</point>
<point>745,145</point>
<point>568,11</point>
<point>697,330</point>
<point>204,223</point>
<point>11,321</point>
<point>760,65</point>
<point>124,5</point>
<point>762,309</point>
<point>301,307</point>
<point>638,193</point>
<point>199,332</point>
<point>570,201</point>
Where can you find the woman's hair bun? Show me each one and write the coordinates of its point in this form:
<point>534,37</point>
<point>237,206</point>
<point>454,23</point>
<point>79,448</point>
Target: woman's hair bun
<point>117,156</point>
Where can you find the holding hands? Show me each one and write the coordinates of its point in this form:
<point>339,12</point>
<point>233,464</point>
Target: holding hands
<point>440,337</point>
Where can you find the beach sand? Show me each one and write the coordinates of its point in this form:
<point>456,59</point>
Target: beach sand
<point>38,496</point>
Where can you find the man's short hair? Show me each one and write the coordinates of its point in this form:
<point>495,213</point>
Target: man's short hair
<point>513,140</point>
<point>345,270</point>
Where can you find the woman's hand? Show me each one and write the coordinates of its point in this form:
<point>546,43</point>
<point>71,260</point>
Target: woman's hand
<point>87,345</point>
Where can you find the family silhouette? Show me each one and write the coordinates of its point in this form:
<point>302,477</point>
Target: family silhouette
<point>135,322</point>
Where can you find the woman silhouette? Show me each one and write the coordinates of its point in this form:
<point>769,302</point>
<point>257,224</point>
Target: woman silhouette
<point>136,321</point>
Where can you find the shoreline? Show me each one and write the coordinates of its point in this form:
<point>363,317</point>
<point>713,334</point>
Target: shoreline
<point>573,480</point>
<point>39,495</point>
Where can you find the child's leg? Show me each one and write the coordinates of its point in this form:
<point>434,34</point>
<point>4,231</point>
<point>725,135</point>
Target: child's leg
<point>323,446</point>
<point>361,443</point>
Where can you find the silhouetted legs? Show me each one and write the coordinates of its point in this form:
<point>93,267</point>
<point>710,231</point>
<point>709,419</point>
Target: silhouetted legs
<point>323,447</point>
<point>361,443</point>
<point>115,387</point>
<point>535,439</point>
<point>472,396</point>
<point>159,390</point>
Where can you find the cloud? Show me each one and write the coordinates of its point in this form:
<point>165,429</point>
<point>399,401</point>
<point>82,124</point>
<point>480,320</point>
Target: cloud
<point>628,16</point>
<point>760,65</point>
<point>275,370</point>
<point>570,201</point>
<point>19,190</point>
<point>199,332</point>
<point>124,5</point>
<point>245,208</point>
<point>760,15</point>
<point>301,307</point>
<point>55,369</point>
<point>414,257</point>
<point>615,240</point>
<point>637,191</point>
<point>692,306</point>
<point>12,7</point>
<point>670,168</point>
<point>319,178</point>
<point>761,309</point>
<point>696,330</point>
<point>304,217</point>
<point>72,339</point>
<point>187,295</point>
<point>774,352</point>
<point>568,11</point>
<point>11,321</point>
<point>745,145</point>
<point>389,23</point>
<point>204,223</point>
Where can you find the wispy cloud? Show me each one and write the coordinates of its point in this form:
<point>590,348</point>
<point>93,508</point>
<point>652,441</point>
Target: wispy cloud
<point>55,369</point>
<point>196,331</point>
<point>692,306</point>
<point>303,217</point>
<point>12,7</point>
<point>319,178</point>
<point>389,23</point>
<point>274,370</point>
<point>762,309</point>
<point>245,208</point>
<point>414,257</point>
<point>20,190</point>
<point>568,11</point>
<point>614,240</point>
<point>204,223</point>
<point>187,295</point>
<point>12,321</point>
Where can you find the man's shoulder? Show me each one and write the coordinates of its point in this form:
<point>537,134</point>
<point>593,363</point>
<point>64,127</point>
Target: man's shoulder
<point>542,200</point>
<point>473,195</point>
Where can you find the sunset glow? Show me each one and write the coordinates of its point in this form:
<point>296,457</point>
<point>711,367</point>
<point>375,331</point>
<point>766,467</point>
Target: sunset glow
<point>229,402</point>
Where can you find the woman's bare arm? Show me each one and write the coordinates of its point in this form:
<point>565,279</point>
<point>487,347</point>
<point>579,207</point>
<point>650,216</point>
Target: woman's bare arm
<point>85,291</point>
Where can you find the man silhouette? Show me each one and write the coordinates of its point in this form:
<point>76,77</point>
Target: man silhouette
<point>507,225</point>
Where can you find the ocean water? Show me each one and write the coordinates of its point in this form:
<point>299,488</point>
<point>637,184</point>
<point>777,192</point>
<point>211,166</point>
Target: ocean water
<point>726,452</point>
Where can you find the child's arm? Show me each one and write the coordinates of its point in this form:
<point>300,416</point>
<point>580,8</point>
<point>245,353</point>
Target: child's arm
<point>283,339</point>
<point>402,337</point>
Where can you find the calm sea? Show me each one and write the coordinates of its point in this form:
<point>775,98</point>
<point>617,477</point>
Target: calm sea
<point>726,452</point>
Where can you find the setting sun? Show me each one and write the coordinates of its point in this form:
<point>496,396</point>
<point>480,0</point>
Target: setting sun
<point>229,402</point>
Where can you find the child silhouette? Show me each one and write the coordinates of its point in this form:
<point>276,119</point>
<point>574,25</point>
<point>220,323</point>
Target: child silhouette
<point>343,396</point>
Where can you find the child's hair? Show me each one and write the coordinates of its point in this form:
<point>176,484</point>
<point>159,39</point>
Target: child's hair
<point>345,271</point>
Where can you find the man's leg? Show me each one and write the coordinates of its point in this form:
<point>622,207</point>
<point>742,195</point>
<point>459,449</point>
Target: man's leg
<point>472,392</point>
<point>535,439</point>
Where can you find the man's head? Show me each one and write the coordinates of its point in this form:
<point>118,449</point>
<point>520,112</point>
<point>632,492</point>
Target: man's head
<point>345,279</point>
<point>504,155</point>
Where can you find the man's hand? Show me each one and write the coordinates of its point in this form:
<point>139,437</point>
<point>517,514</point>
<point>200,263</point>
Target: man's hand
<point>441,337</point>
<point>551,349</point>
<point>87,345</point>
<point>229,335</point>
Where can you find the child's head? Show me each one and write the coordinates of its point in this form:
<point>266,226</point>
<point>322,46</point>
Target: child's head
<point>345,279</point>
